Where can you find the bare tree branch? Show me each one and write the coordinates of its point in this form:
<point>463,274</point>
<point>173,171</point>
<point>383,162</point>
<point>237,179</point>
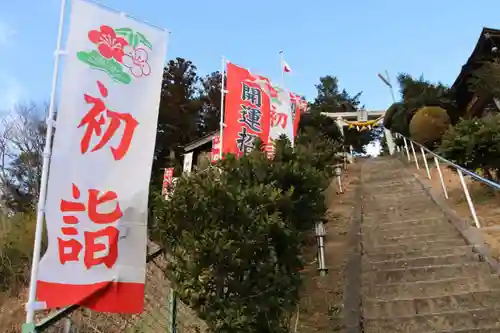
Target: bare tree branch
<point>22,139</point>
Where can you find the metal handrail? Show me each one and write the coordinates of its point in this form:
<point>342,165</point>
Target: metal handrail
<point>460,170</point>
<point>458,167</point>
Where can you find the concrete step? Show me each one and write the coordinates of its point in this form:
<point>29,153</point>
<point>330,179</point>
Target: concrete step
<point>448,321</point>
<point>403,197</point>
<point>404,190</point>
<point>428,273</point>
<point>404,212</point>
<point>385,200</point>
<point>397,178</point>
<point>398,248</point>
<point>400,210</point>
<point>483,329</point>
<point>468,257</point>
<point>439,228</point>
<point>408,222</point>
<point>408,255</point>
<point>401,216</point>
<point>376,240</point>
<point>382,198</point>
<point>433,288</point>
<point>391,185</point>
<point>382,205</point>
<point>429,305</point>
<point>398,193</point>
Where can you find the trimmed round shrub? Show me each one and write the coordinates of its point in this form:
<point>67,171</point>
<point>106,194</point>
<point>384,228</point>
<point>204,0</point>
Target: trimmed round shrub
<point>429,124</point>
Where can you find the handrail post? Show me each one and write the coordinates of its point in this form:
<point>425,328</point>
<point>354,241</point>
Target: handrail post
<point>469,200</point>
<point>414,154</point>
<point>397,136</point>
<point>441,177</point>
<point>425,163</point>
<point>406,148</point>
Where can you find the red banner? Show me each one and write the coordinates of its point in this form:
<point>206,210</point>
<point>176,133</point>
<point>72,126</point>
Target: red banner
<point>215,154</point>
<point>247,111</point>
<point>299,105</point>
<point>168,176</point>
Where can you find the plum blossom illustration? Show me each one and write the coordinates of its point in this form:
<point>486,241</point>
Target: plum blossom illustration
<point>118,51</point>
<point>136,60</point>
<point>108,44</point>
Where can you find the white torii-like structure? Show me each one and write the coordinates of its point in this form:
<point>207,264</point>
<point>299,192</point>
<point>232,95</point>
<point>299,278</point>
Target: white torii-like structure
<point>361,115</point>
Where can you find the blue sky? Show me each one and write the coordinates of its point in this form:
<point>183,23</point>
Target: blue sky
<point>350,39</point>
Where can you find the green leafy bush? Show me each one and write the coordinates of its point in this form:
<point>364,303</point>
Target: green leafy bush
<point>234,234</point>
<point>389,114</point>
<point>223,238</point>
<point>318,151</point>
<point>428,125</point>
<point>474,144</point>
<point>486,77</point>
<point>319,124</point>
<point>401,121</point>
<point>398,141</point>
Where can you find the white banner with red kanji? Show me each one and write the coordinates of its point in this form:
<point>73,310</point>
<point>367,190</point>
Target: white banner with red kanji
<point>281,118</point>
<point>96,207</point>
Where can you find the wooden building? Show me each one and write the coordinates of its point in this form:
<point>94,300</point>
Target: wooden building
<point>201,150</point>
<point>473,102</point>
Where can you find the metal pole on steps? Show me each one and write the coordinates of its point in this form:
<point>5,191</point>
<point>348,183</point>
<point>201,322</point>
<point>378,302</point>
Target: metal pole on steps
<point>397,136</point>
<point>441,177</point>
<point>469,200</point>
<point>406,148</point>
<point>414,154</point>
<point>425,163</point>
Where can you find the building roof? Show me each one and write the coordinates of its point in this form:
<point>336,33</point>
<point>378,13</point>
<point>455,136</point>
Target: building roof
<point>484,49</point>
<point>200,142</point>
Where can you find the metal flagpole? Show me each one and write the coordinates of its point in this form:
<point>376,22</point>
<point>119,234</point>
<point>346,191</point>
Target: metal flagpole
<point>222,95</point>
<point>30,306</point>
<point>390,86</point>
<point>282,69</point>
<point>388,135</point>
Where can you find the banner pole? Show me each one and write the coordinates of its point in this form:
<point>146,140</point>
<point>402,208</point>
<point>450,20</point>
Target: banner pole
<point>282,69</point>
<point>222,95</point>
<point>37,247</point>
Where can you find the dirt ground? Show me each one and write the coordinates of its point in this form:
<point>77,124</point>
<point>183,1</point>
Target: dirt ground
<point>322,298</point>
<point>486,201</point>
<point>12,313</point>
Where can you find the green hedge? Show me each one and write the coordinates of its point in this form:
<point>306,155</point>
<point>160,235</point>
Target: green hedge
<point>234,234</point>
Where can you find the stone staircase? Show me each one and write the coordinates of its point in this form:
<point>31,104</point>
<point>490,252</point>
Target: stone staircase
<point>418,273</point>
